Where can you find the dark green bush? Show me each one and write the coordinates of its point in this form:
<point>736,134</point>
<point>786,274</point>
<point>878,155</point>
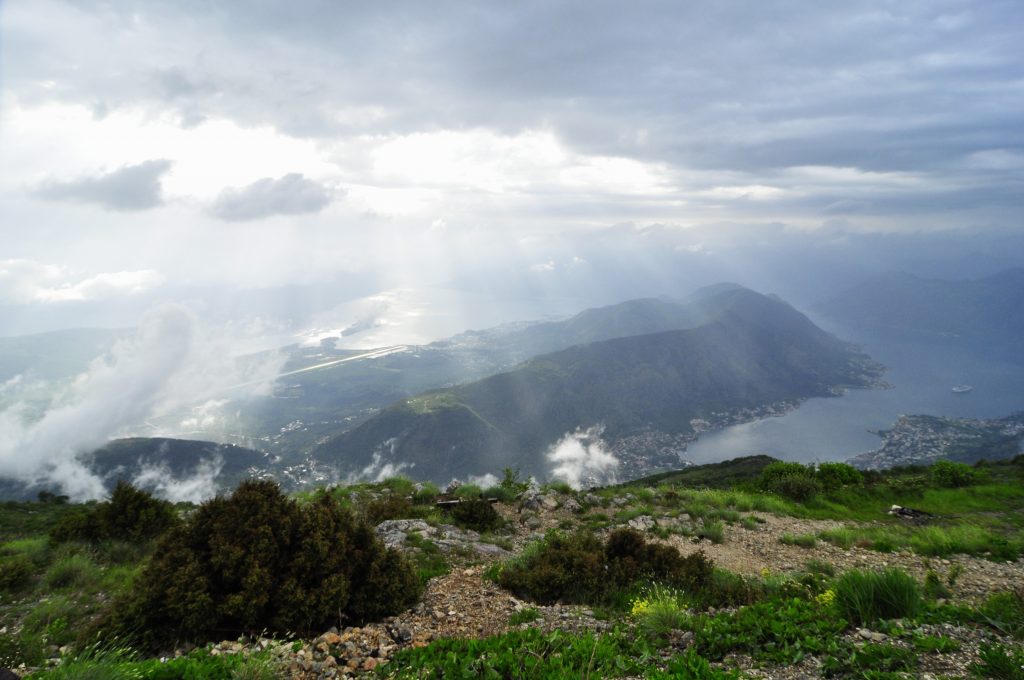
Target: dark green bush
<point>15,572</point>
<point>476,514</point>
<point>834,476</point>
<point>130,514</point>
<point>951,475</point>
<point>259,561</point>
<point>580,568</point>
<point>563,567</point>
<point>390,506</point>
<point>790,480</point>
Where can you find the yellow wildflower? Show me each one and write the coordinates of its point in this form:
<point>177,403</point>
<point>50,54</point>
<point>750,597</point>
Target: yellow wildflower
<point>765,572</point>
<point>826,598</point>
<point>640,607</point>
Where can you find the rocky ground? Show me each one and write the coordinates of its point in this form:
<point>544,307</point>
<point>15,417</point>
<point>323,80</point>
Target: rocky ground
<point>463,603</point>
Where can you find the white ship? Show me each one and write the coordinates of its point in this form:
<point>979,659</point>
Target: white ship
<point>962,389</point>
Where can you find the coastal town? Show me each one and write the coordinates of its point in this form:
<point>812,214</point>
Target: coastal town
<point>923,439</point>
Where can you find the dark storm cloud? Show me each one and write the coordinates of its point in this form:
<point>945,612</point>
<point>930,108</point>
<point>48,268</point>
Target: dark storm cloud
<point>131,187</point>
<point>292,194</point>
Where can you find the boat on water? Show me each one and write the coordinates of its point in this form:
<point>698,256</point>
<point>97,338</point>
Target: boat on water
<point>962,389</point>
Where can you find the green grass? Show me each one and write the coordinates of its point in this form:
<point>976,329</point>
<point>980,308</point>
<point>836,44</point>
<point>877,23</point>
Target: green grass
<point>524,615</point>
<point>525,654</point>
<point>864,597</point>
<point>713,531</point>
<point>933,541</point>
<point>427,557</point>
<point>120,663</point>
<point>802,540</point>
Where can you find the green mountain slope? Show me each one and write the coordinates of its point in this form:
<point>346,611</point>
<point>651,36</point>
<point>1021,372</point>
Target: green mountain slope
<point>310,406</point>
<point>758,351</point>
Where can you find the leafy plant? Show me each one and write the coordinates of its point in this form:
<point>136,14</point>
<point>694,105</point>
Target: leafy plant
<point>780,630</point>
<point>869,660</point>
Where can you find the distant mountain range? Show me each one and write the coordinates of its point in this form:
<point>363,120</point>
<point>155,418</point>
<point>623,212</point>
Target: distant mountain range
<point>751,351</point>
<point>987,313</point>
<point>650,373</point>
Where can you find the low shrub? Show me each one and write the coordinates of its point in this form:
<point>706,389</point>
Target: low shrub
<point>476,514</point>
<point>16,572</point>
<point>425,493</point>
<point>130,514</point>
<point>391,506</point>
<point>579,568</point>
<point>952,475</point>
<point>833,476</point>
<point>259,561</point>
<point>864,596</point>
<point>790,480</point>
<point>524,615</point>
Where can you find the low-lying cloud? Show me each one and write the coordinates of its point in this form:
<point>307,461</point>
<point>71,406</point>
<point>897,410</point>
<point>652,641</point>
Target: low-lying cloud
<point>580,459</point>
<point>129,188</point>
<point>170,362</point>
<point>192,488</point>
<point>292,194</point>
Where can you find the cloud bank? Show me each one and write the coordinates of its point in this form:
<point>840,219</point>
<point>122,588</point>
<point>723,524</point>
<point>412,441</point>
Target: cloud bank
<point>167,364</point>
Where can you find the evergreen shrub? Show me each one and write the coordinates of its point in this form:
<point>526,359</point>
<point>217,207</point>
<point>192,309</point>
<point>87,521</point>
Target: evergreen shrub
<point>256,561</point>
<point>580,568</point>
<point>130,514</point>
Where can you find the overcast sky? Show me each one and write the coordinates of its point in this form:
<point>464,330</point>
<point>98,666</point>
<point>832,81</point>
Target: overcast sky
<point>156,148</point>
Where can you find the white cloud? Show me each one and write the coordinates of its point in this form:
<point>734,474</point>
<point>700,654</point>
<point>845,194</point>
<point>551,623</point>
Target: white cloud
<point>169,363</point>
<point>129,188</point>
<point>26,281</point>
<point>580,459</point>
<point>292,194</point>
<point>193,488</point>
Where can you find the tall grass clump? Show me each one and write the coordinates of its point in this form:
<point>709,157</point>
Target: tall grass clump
<point>865,596</point>
<point>72,571</point>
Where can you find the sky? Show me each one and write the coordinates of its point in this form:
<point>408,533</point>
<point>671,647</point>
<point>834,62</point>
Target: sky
<point>281,167</point>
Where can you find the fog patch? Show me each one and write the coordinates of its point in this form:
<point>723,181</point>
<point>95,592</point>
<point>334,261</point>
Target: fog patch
<point>169,363</point>
<point>379,468</point>
<point>194,488</point>
<point>580,459</point>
